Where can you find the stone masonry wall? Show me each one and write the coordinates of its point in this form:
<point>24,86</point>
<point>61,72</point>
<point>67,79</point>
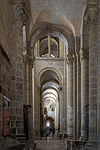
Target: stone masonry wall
<point>4,24</point>
<point>5,89</point>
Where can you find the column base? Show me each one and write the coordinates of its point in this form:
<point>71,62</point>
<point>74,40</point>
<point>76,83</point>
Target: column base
<point>60,135</point>
<point>74,145</point>
<point>83,138</point>
<point>70,137</point>
<point>37,137</point>
<point>91,145</point>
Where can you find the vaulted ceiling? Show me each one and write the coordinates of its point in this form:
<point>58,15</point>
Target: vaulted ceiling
<point>65,13</point>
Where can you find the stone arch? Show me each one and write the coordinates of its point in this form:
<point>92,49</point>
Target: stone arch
<point>55,31</point>
<point>52,39</point>
<point>51,120</point>
<point>59,74</point>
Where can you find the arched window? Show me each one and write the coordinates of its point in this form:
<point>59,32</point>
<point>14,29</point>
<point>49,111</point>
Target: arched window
<point>49,47</point>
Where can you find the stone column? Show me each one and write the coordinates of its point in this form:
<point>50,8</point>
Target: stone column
<point>77,89</point>
<point>33,101</point>
<point>61,109</point>
<point>38,48</point>
<point>84,91</point>
<point>27,81</point>
<point>70,98</point>
<point>93,74</point>
<point>57,109</point>
<point>78,97</point>
<point>37,90</point>
<point>74,96</point>
<point>49,46</point>
<point>98,105</point>
<point>31,61</point>
<point>19,20</point>
<point>61,48</point>
<point>65,96</point>
<point>56,117</point>
<point>91,16</point>
<point>58,113</point>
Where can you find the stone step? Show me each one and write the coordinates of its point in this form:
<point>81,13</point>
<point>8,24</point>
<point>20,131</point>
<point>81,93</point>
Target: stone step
<point>21,135</point>
<point>21,138</point>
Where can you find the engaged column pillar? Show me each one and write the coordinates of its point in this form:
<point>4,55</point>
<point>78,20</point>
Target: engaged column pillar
<point>19,20</point>
<point>70,98</point>
<point>84,91</point>
<point>93,75</point>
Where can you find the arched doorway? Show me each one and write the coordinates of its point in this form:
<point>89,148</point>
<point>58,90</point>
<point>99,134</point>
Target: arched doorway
<point>49,125</point>
<point>49,114</point>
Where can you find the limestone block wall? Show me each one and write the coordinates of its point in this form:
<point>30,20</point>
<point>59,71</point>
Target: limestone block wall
<point>4,24</point>
<point>5,89</point>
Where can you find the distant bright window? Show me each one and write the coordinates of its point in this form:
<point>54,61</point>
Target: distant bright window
<point>48,124</point>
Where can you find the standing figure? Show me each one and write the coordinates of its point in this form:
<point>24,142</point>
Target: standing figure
<point>53,132</point>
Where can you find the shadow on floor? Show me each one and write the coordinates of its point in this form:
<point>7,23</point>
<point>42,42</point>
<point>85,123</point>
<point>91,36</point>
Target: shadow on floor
<point>15,147</point>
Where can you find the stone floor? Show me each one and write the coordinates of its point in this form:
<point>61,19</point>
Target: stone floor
<point>49,144</point>
<point>14,147</point>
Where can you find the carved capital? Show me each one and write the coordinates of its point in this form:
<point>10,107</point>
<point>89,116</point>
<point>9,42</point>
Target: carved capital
<point>20,15</point>
<point>92,18</point>
<point>84,54</point>
<point>60,88</point>
<point>77,54</point>
<point>90,14</point>
<point>70,59</point>
<point>31,62</point>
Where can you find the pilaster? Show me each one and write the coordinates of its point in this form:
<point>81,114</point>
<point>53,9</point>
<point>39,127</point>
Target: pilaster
<point>19,21</point>
<point>70,98</point>
<point>74,96</point>
<point>78,103</point>
<point>98,103</point>
<point>84,91</point>
<point>93,75</point>
<point>91,16</point>
<point>61,101</point>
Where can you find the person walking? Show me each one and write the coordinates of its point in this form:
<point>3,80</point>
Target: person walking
<point>53,132</point>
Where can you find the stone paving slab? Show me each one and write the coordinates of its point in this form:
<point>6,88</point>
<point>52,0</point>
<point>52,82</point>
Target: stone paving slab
<point>49,145</point>
<point>15,147</point>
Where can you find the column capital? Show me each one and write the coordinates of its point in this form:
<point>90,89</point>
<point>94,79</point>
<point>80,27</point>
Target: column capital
<point>84,54</point>
<point>91,14</point>
<point>77,54</point>
<point>31,62</point>
<point>20,15</point>
<point>70,59</point>
<point>60,88</point>
<point>92,18</point>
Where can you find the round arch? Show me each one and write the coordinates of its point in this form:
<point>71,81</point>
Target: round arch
<point>52,39</point>
<point>51,120</point>
<point>54,31</point>
<point>59,74</point>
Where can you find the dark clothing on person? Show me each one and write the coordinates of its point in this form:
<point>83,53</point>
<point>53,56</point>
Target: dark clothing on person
<point>53,131</point>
